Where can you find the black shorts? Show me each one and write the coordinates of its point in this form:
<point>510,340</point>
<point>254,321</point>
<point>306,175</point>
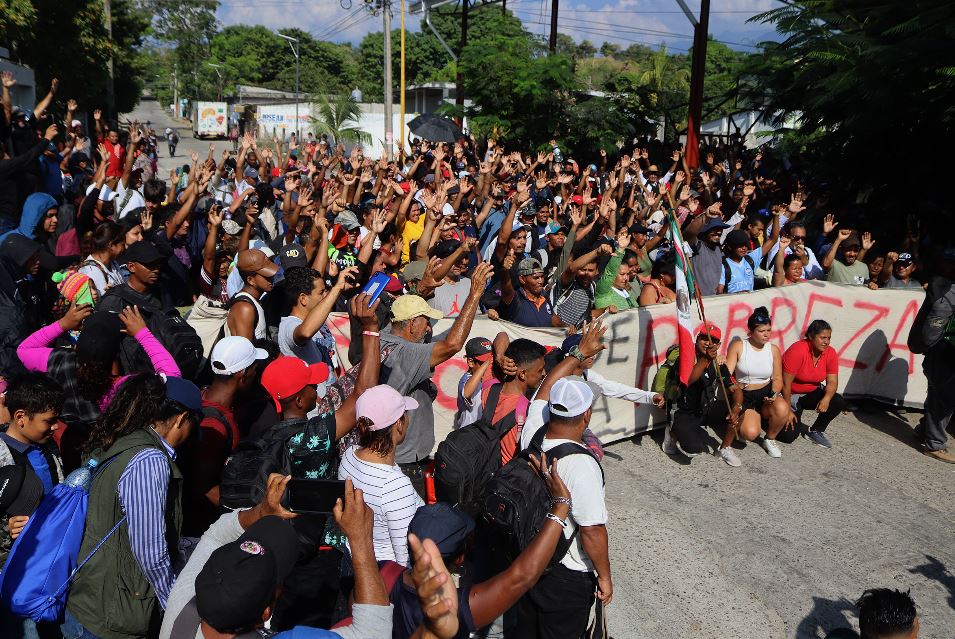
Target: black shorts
<point>755,398</point>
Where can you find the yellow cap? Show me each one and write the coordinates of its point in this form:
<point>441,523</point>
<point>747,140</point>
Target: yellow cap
<point>409,307</point>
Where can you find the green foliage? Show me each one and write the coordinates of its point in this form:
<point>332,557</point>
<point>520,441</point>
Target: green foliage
<point>188,26</point>
<point>516,90</point>
<point>68,40</point>
<point>873,78</point>
<point>338,119</point>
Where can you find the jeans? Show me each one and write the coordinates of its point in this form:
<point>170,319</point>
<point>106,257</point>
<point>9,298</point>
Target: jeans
<point>689,428</point>
<point>73,629</point>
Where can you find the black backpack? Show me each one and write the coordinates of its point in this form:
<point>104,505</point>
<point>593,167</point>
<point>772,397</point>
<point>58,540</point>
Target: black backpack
<point>246,472</point>
<point>468,456</point>
<point>517,500</point>
<point>173,332</point>
<point>728,272</point>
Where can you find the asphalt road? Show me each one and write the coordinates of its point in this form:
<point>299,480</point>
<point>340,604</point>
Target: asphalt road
<point>151,111</point>
<point>779,548</point>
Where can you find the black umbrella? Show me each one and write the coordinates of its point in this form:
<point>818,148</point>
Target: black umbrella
<point>435,128</point>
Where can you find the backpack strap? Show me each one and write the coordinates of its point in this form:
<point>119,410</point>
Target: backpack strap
<point>559,451</point>
<point>239,297</point>
<point>214,413</point>
<point>507,422</point>
<point>727,273</point>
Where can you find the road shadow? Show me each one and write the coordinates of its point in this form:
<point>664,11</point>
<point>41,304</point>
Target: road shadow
<point>655,438</point>
<point>883,419</point>
<point>826,615</point>
<point>935,570</point>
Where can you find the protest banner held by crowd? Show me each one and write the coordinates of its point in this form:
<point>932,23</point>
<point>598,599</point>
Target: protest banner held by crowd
<point>305,384</point>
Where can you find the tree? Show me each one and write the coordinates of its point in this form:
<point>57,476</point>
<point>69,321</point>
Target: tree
<point>337,119</point>
<point>188,25</point>
<point>609,49</point>
<point>515,91</point>
<point>668,87</point>
<point>586,49</point>
<point>869,85</point>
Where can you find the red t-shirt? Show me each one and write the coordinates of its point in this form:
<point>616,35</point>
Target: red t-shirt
<point>506,404</point>
<point>797,360</point>
<point>116,159</point>
<point>214,441</point>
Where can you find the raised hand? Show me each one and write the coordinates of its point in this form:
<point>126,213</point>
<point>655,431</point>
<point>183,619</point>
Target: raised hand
<point>576,215</point>
<point>97,114</point>
<point>51,132</point>
<point>844,234</point>
<point>796,205</point>
<point>481,276</point>
<point>132,320</point>
<point>71,105</point>
<point>592,341</point>
<point>867,241</point>
<point>215,217</point>
<point>436,592</point>
<point>8,80</point>
<point>508,263</point>
<point>74,317</point>
<point>146,219</point>
<point>829,223</point>
<point>623,239</point>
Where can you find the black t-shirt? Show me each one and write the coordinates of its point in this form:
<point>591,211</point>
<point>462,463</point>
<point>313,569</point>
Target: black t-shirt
<point>702,394</point>
<point>408,614</point>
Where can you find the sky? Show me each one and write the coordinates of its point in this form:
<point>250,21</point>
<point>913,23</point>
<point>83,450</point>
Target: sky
<point>624,22</point>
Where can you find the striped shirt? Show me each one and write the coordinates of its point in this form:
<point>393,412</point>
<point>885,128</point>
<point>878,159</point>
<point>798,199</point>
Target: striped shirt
<point>391,497</point>
<point>142,492</point>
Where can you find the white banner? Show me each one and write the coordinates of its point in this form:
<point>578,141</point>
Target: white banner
<point>869,332</point>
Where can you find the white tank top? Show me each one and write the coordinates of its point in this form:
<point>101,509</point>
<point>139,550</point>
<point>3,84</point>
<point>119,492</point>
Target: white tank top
<point>260,329</point>
<point>755,367</point>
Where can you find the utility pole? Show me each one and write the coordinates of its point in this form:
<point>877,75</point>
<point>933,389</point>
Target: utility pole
<point>401,83</point>
<point>697,75</point>
<point>293,43</point>
<point>459,78</point>
<point>553,26</point>
<point>389,98</point>
<point>110,96</point>
<point>218,80</point>
<point>175,91</point>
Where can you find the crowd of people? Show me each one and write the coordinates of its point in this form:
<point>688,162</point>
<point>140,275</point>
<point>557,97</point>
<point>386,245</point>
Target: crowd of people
<point>173,336</point>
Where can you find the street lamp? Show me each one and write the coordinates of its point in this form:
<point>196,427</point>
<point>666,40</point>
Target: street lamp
<point>293,44</point>
<point>219,83</point>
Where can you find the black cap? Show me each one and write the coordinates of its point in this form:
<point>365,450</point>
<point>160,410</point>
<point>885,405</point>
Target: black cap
<point>852,240</point>
<point>639,228</point>
<point>293,256</point>
<point>239,579</point>
<point>737,238</point>
<point>141,252</point>
<point>20,490</point>
<point>478,347</point>
<point>445,248</point>
<point>100,337</point>
<point>443,524</point>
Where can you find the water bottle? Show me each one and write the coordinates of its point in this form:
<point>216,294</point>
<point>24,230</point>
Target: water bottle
<point>558,156</point>
<point>82,477</point>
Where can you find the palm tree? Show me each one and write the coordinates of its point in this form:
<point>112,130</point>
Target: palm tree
<point>666,81</point>
<point>338,118</point>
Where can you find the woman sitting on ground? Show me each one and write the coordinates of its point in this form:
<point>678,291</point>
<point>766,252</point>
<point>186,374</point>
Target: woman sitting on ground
<point>758,368</point>
<point>811,380</point>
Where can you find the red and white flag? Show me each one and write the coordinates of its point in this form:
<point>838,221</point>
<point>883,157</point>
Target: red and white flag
<point>684,302</point>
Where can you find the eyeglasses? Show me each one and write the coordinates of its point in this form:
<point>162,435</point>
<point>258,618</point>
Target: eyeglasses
<point>798,238</point>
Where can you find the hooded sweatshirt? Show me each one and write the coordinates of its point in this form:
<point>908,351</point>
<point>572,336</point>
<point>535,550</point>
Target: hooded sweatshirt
<point>34,210</point>
<point>15,251</point>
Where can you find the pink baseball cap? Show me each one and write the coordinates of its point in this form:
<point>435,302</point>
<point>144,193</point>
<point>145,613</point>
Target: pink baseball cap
<point>383,405</point>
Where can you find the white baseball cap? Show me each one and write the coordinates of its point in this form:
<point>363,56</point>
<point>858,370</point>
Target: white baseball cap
<point>233,354</point>
<point>570,397</point>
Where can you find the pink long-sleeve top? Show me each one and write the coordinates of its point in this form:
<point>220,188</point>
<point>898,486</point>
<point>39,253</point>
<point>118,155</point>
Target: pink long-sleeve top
<point>35,353</point>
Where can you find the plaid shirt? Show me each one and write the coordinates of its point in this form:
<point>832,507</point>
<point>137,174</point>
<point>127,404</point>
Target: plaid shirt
<point>76,409</point>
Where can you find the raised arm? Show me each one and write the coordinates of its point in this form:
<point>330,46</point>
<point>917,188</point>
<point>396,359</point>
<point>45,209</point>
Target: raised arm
<point>458,334</point>
<point>834,249</point>
<point>370,367</point>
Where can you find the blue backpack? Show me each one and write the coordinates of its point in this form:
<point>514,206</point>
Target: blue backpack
<point>42,563</point>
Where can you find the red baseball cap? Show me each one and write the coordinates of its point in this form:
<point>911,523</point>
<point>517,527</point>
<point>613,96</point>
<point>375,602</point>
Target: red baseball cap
<point>286,376</point>
<point>707,328</point>
<point>577,199</point>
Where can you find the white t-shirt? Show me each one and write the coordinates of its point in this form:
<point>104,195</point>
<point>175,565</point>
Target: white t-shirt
<point>584,480</point>
<point>392,499</point>
<point>104,277</point>
<point>135,201</point>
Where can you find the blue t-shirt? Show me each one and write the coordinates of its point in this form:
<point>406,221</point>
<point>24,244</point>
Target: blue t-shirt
<point>742,273</point>
<point>304,632</point>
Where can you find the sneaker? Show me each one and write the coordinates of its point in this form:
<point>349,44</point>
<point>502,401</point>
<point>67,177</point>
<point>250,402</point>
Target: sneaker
<point>771,448</point>
<point>818,438</point>
<point>729,456</point>
<point>669,442</point>
<point>941,455</point>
